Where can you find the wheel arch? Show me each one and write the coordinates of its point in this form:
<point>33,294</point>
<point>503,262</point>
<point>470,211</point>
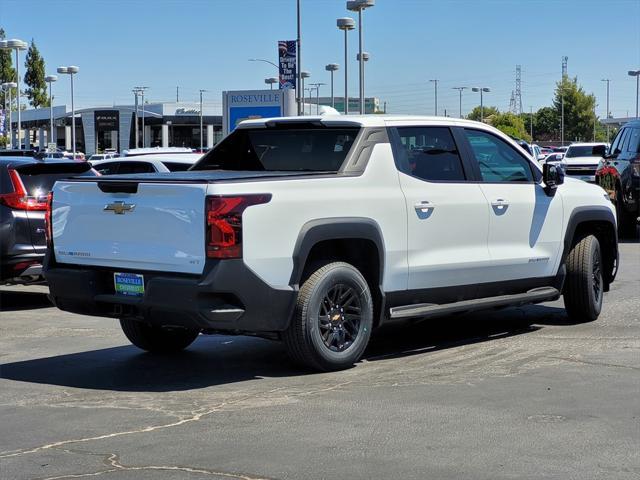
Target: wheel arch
<point>355,240</point>
<point>600,222</point>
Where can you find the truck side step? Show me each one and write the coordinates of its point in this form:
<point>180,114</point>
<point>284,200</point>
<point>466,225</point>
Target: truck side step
<point>427,310</point>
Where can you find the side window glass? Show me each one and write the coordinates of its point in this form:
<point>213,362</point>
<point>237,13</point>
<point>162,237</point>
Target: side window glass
<point>429,153</point>
<point>135,167</point>
<point>110,168</point>
<point>498,161</point>
<point>617,142</point>
<point>633,145</point>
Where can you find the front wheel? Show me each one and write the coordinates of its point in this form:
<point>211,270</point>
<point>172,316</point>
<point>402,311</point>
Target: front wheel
<point>332,322</point>
<point>157,339</point>
<point>584,287</point>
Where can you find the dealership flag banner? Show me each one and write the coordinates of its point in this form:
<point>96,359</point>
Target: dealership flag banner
<point>2,122</point>
<point>287,57</point>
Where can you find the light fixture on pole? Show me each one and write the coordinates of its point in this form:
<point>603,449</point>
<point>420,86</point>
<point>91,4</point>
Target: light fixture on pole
<point>50,79</point>
<point>460,89</point>
<point>317,88</point>
<point>71,70</point>
<point>332,67</point>
<point>365,58</point>
<point>435,85</point>
<point>636,73</point>
<point>303,75</point>
<point>359,6</point>
<point>201,124</point>
<point>346,24</point>
<point>141,93</point>
<point>265,61</point>
<point>481,90</point>
<point>17,45</point>
<point>270,81</point>
<point>7,91</point>
<point>607,114</point>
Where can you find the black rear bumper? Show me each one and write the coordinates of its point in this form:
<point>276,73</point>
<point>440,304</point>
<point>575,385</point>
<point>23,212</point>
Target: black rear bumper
<point>227,297</point>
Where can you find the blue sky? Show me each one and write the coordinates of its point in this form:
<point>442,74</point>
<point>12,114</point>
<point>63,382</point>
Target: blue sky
<point>205,44</point>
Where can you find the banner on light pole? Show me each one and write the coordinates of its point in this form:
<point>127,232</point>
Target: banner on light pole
<point>288,67</point>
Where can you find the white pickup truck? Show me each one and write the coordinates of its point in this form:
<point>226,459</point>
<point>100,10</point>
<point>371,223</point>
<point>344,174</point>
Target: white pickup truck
<point>316,230</point>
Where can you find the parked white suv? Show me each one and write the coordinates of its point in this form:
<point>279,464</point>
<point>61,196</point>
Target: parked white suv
<point>582,159</point>
<point>317,230</point>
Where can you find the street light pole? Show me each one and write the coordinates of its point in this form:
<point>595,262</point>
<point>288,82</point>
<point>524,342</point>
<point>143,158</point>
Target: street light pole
<point>71,70</point>
<point>50,79</point>
<point>317,88</point>
<point>365,57</point>
<point>270,81</point>
<point>17,45</point>
<point>332,67</point>
<point>531,122</point>
<point>304,75</point>
<point>481,90</point>
<point>607,115</point>
<point>636,73</point>
<point>7,90</point>
<point>346,24</point>
<point>141,92</point>
<point>460,89</point>
<point>359,6</point>
<point>201,124</point>
<point>435,83</point>
<point>299,62</point>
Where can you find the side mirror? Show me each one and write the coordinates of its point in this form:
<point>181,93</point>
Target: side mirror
<point>552,176</point>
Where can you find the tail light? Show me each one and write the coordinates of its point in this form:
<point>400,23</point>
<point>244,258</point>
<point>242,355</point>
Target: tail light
<point>224,223</point>
<point>48,226</point>
<point>19,199</point>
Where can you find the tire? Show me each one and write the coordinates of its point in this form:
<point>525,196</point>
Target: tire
<point>332,321</point>
<point>583,290</point>
<point>156,339</point>
<point>626,220</point>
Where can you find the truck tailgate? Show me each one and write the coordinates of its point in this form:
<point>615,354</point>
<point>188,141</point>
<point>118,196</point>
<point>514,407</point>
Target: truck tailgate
<point>156,226</point>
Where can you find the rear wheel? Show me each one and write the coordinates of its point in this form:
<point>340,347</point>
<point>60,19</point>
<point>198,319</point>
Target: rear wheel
<point>332,322</point>
<point>157,339</point>
<point>584,287</point>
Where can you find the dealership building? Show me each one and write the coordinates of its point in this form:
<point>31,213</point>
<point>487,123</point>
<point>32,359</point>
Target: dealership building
<point>166,124</point>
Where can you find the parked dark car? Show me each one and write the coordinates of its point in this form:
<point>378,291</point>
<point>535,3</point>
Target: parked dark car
<point>24,186</point>
<point>619,174</point>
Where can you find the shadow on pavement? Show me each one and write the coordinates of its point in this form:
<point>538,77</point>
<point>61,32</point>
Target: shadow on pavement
<point>11,301</point>
<point>217,360</point>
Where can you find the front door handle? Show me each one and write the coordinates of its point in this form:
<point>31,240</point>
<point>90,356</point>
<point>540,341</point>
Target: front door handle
<point>424,206</point>
<point>500,203</point>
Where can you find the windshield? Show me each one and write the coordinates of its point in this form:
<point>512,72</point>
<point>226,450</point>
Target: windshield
<point>319,149</point>
<point>581,151</point>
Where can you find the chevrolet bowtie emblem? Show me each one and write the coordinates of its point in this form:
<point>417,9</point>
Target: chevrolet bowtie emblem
<point>119,208</point>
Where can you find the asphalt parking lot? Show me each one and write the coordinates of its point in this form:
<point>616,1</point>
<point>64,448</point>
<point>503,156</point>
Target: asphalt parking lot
<point>519,393</point>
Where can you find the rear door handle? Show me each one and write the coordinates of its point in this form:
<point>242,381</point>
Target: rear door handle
<point>500,202</point>
<point>424,206</point>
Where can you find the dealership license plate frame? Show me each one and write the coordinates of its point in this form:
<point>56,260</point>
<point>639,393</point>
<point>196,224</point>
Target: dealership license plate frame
<point>128,284</point>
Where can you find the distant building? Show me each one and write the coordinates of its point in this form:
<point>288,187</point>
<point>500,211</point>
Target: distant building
<point>168,124</point>
<point>371,104</point>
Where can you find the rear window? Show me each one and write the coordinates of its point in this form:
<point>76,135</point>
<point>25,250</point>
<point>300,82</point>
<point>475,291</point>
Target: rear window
<point>318,149</point>
<point>581,151</point>
<point>176,166</point>
<point>39,184</point>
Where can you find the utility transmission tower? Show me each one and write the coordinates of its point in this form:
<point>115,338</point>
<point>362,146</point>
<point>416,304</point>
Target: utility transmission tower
<point>515,103</point>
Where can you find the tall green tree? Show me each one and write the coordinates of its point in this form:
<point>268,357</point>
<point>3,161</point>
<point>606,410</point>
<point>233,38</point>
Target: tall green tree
<point>578,110</point>
<point>34,75</point>
<point>510,124</point>
<point>7,72</point>
<point>546,124</point>
<point>488,112</point>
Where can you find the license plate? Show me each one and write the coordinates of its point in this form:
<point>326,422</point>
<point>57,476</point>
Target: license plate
<point>130,284</point>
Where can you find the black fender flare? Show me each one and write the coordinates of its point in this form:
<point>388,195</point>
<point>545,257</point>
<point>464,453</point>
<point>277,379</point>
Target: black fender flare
<point>593,213</point>
<point>335,228</point>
